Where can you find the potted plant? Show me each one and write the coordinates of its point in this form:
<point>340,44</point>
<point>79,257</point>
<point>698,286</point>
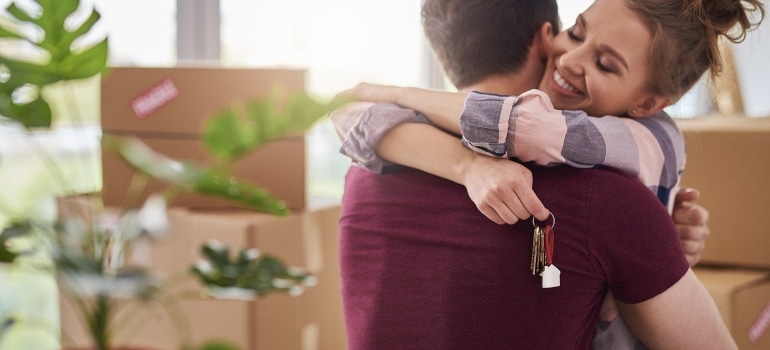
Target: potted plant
<point>88,242</point>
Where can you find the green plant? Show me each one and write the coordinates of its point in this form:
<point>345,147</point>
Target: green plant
<point>88,252</point>
<point>52,59</point>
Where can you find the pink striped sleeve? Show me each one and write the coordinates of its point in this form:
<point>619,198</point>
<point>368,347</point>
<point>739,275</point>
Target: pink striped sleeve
<point>545,128</point>
<point>650,153</point>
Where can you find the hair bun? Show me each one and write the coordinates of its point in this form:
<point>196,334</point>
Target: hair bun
<point>730,18</point>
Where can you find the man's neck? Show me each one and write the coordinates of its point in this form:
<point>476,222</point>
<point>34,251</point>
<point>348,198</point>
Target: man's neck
<point>506,84</point>
<point>526,78</point>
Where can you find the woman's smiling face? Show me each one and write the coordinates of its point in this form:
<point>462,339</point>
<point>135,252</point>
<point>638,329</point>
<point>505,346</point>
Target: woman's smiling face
<point>600,65</point>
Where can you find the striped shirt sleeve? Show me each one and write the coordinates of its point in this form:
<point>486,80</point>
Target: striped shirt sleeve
<point>362,127</point>
<point>529,128</point>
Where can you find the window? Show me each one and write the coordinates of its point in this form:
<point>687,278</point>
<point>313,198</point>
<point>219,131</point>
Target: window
<point>142,32</point>
<point>752,69</point>
<point>340,43</point>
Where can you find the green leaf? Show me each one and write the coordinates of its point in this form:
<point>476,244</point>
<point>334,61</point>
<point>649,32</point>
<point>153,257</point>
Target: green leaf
<point>15,230</point>
<point>84,27</point>
<point>230,134</point>
<point>23,72</point>
<point>64,62</point>
<point>189,177</point>
<point>245,193</point>
<point>142,158</point>
<point>20,14</point>
<point>217,253</point>
<point>85,64</point>
<point>6,255</point>
<point>259,275</point>
<point>218,345</point>
<point>36,114</point>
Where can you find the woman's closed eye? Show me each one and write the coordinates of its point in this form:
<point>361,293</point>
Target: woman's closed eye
<point>602,66</point>
<point>571,34</point>
<point>607,68</point>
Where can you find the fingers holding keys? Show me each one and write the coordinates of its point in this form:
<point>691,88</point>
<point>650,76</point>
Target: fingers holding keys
<point>526,196</point>
<point>505,211</point>
<point>502,191</point>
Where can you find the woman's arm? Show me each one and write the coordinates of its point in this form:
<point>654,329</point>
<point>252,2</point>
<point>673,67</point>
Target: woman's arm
<point>501,189</point>
<point>529,128</point>
<point>650,149</point>
<point>442,108</point>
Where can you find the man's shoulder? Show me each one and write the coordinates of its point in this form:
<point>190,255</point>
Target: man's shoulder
<point>563,172</point>
<point>411,196</point>
<point>403,181</point>
<point>601,186</point>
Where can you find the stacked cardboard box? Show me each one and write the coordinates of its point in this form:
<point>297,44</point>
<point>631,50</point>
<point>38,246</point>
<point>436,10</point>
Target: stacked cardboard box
<point>165,108</point>
<point>726,162</point>
<point>743,299</point>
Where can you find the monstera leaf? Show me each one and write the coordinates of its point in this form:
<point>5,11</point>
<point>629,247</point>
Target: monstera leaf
<point>230,134</point>
<point>56,57</point>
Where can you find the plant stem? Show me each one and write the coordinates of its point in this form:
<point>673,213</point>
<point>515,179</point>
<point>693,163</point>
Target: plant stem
<point>98,322</point>
<point>131,323</point>
<point>179,321</point>
<point>134,192</point>
<point>72,106</point>
<point>55,169</point>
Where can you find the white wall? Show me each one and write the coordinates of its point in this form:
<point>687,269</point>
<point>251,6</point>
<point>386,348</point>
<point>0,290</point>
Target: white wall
<point>752,58</point>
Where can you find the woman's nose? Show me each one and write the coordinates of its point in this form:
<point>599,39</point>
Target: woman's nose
<point>572,62</point>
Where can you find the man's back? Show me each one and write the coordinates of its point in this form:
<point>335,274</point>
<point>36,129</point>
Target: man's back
<point>423,269</point>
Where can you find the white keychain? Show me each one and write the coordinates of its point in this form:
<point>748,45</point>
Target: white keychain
<point>551,276</point>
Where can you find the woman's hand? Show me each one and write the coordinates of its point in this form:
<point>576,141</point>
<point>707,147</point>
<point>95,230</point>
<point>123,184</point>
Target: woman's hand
<point>691,223</point>
<point>502,190</point>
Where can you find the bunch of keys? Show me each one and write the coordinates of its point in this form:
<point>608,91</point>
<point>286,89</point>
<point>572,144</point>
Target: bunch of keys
<point>541,263</point>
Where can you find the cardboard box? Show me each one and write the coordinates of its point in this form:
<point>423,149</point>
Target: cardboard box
<point>727,162</point>
<point>166,107</point>
<point>311,321</point>
<point>743,300</point>
<point>325,326</point>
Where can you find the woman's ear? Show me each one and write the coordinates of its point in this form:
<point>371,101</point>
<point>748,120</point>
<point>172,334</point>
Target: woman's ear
<point>543,40</point>
<point>649,106</point>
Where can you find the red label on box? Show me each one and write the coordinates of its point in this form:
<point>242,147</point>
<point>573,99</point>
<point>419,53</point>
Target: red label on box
<point>760,325</point>
<point>154,98</point>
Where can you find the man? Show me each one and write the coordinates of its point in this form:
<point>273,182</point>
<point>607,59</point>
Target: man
<point>469,47</point>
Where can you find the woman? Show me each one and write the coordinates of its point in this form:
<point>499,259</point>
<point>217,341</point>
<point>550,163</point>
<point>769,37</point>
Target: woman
<point>588,80</point>
<point>631,69</point>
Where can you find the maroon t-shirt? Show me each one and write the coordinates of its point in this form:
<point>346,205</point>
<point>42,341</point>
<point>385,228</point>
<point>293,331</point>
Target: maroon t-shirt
<point>422,268</point>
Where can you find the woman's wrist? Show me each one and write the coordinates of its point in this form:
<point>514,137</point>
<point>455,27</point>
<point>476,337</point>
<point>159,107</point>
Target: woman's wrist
<point>400,95</point>
<point>464,165</point>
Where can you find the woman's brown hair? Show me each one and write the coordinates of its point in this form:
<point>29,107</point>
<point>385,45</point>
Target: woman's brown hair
<point>686,36</point>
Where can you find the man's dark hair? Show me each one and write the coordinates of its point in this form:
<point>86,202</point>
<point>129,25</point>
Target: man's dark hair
<point>474,39</point>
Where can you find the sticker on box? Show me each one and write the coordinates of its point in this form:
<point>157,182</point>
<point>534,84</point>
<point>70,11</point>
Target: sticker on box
<point>156,97</point>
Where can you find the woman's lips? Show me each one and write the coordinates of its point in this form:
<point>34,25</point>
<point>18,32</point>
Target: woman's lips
<point>562,84</point>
